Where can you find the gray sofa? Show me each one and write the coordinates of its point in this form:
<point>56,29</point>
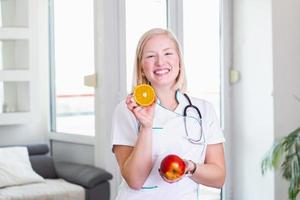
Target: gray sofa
<point>93,179</point>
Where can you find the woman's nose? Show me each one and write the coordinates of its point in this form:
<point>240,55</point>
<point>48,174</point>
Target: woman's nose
<point>159,60</point>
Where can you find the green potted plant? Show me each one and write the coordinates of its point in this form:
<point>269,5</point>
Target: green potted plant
<point>286,151</point>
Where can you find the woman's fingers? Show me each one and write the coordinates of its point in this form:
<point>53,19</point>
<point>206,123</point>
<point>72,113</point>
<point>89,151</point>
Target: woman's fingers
<point>143,114</point>
<point>131,104</point>
<point>128,99</point>
<point>137,108</point>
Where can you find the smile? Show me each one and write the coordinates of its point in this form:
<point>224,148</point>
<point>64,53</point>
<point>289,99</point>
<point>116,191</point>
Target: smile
<point>162,71</point>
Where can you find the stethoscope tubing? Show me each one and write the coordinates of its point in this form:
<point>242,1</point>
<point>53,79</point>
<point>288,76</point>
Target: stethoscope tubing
<point>198,141</point>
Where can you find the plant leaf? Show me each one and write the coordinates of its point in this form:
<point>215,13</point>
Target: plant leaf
<point>272,157</point>
<point>288,149</point>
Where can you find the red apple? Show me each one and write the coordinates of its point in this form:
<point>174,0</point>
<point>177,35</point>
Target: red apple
<point>172,167</point>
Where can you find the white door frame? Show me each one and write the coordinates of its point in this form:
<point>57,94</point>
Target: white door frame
<point>111,83</point>
<point>226,107</point>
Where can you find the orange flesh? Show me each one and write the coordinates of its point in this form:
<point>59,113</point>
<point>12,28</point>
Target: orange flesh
<point>144,95</point>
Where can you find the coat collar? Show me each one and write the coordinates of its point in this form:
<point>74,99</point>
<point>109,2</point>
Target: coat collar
<point>182,102</point>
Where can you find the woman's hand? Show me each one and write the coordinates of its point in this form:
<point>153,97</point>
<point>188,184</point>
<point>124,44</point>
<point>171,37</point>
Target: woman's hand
<point>190,167</point>
<point>144,115</point>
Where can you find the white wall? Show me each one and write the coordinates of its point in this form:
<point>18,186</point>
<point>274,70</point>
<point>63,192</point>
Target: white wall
<point>22,134</point>
<point>266,48</point>
<point>252,101</point>
<point>72,152</point>
<point>286,62</point>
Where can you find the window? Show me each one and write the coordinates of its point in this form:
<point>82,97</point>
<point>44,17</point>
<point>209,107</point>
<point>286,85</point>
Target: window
<point>151,13</point>
<point>72,57</point>
<point>201,39</point>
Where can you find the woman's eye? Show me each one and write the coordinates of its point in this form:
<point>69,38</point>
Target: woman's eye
<point>168,53</point>
<point>150,56</point>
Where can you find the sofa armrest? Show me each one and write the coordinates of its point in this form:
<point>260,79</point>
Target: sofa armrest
<point>84,175</point>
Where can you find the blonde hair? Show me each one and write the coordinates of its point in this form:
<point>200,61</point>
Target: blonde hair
<point>139,77</point>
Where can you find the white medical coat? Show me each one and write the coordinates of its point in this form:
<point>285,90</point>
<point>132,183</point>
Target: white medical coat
<point>168,135</point>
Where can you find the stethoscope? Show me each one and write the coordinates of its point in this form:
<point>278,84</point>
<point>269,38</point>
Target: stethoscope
<point>191,106</point>
<point>201,139</point>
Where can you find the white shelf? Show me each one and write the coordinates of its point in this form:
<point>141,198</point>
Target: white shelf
<point>15,118</point>
<point>18,66</point>
<point>14,33</point>
<point>15,75</point>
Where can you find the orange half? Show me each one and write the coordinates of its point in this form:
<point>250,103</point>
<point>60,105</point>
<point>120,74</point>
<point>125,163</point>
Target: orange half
<point>144,94</point>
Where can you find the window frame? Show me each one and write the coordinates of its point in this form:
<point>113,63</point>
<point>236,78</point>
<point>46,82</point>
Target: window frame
<point>54,135</point>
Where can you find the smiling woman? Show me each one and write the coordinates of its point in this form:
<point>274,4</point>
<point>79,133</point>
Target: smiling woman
<point>140,149</point>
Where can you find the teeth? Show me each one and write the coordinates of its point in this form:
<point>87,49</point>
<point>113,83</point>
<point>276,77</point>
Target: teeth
<point>161,71</point>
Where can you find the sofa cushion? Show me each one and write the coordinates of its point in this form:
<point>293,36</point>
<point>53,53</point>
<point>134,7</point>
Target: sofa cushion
<point>37,149</point>
<point>41,161</point>
<point>43,165</point>
<point>84,175</point>
<point>15,167</point>
<point>48,190</point>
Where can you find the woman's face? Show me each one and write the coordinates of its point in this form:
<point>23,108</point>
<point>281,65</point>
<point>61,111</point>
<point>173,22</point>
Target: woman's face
<point>160,61</point>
